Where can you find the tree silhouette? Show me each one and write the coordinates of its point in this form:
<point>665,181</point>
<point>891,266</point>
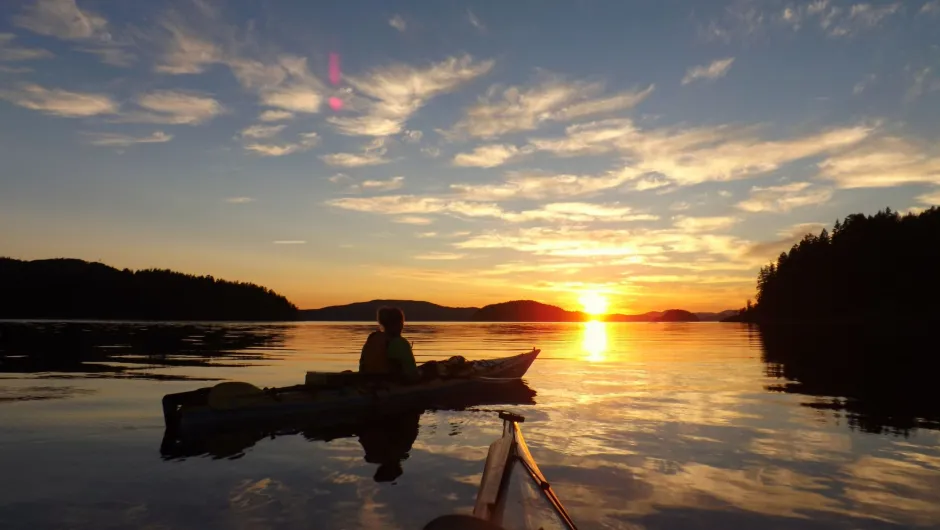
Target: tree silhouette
<point>870,267</point>
<point>75,289</point>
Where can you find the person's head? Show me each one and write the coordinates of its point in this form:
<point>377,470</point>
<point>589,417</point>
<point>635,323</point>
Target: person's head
<point>392,320</point>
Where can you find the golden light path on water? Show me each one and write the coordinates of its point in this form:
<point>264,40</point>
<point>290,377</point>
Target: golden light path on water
<point>594,341</point>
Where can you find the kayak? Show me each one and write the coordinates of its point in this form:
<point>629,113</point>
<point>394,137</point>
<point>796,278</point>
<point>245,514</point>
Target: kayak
<point>326,394</point>
<point>388,435</point>
<point>513,493</point>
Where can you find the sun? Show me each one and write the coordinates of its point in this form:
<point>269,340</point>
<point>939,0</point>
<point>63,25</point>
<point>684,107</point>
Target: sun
<point>593,303</point>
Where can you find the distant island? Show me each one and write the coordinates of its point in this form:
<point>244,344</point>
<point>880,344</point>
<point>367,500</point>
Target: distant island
<point>877,268</point>
<point>366,311</point>
<point>513,311</point>
<point>76,289</point>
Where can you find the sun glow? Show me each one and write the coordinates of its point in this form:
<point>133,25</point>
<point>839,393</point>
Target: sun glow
<point>594,341</point>
<point>593,303</point>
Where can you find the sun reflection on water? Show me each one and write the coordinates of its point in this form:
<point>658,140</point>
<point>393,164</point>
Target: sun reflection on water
<point>594,341</point>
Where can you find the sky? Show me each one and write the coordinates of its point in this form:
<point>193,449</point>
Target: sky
<point>652,152</point>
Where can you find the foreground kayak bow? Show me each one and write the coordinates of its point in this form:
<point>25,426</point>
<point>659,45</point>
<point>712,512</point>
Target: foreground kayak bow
<point>513,493</point>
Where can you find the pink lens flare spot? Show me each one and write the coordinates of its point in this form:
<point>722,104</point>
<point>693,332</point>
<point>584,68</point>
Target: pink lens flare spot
<point>334,68</point>
<point>336,103</point>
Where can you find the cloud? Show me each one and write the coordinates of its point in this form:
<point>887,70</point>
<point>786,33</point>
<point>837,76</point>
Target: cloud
<point>393,183</point>
<point>517,109</point>
<point>14,70</point>
<point>290,242</point>
<point>931,8</point>
<point>862,85</point>
<point>16,53</point>
<point>60,102</point>
<point>373,154</point>
<point>521,185</point>
<point>475,21</point>
<point>294,98</point>
<point>635,244</point>
<point>560,212</point>
<point>704,224</point>
<point>64,20</point>
<point>392,94</point>
<point>413,220</point>
<point>887,162</point>
<point>659,158</point>
<point>836,21</point>
<point>695,155</point>
<point>174,108</point>
<point>123,140</point>
<point>112,55</point>
<point>932,198</point>
<point>306,142</point>
<point>275,115</point>
<point>431,151</point>
<point>923,83</point>
<point>185,52</point>
<point>398,23</point>
<point>262,131</point>
<point>715,70</point>
<point>239,200</point>
<point>490,156</point>
<point>784,198</point>
<point>440,256</point>
<point>339,178</point>
<point>413,136</point>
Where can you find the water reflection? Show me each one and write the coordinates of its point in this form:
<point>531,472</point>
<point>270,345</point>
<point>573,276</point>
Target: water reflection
<point>594,340</point>
<point>386,438</point>
<point>675,428</point>
<point>879,379</point>
<point>131,350</point>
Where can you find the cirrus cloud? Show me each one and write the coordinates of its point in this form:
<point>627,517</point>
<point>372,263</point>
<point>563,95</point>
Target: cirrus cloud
<point>518,109</point>
<point>714,70</point>
<point>124,140</point>
<point>784,198</point>
<point>389,96</point>
<point>60,102</point>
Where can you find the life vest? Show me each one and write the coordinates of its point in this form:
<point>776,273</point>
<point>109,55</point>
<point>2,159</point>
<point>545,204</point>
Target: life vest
<point>374,357</point>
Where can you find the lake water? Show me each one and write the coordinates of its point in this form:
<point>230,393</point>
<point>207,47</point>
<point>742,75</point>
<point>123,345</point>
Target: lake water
<point>700,425</point>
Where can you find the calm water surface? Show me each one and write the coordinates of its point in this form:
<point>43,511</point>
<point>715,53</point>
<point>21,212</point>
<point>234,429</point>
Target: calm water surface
<point>636,425</point>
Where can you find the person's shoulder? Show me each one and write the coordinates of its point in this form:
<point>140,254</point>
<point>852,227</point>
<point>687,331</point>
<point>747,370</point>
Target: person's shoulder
<point>376,336</point>
<point>400,341</point>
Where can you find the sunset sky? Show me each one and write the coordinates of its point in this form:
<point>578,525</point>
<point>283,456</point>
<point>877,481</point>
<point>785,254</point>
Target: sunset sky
<point>654,151</point>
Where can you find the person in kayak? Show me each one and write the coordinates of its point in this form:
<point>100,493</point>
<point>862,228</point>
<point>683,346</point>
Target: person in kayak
<point>386,352</point>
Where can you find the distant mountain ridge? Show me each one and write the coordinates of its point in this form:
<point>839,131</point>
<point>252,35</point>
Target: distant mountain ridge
<point>512,311</point>
<point>366,312</point>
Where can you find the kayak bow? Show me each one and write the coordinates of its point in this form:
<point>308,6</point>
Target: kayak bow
<point>513,493</point>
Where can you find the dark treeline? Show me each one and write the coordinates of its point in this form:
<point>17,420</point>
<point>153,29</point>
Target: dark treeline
<point>883,266</point>
<point>76,289</point>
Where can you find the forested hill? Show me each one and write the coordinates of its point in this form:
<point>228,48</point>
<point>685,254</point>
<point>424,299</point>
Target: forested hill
<point>76,289</point>
<point>879,267</point>
<point>415,311</point>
